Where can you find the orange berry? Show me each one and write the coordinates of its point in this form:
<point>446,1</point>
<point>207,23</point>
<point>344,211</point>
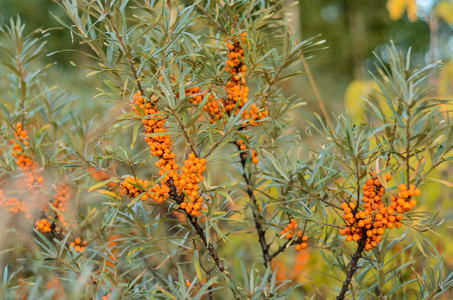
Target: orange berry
<point>405,194</point>
<point>407,207</point>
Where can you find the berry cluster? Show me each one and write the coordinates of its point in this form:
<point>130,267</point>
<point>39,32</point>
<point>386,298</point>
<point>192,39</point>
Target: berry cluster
<point>185,181</point>
<point>243,147</point>
<point>404,201</point>
<point>290,232</point>
<point>33,180</point>
<point>212,106</point>
<point>236,87</point>
<point>255,114</point>
<point>160,145</point>
<point>236,92</point>
<point>14,205</point>
<point>79,245</point>
<point>62,196</point>
<point>25,162</point>
<point>44,226</point>
<point>195,95</point>
<point>371,222</point>
<point>192,174</point>
<point>130,187</point>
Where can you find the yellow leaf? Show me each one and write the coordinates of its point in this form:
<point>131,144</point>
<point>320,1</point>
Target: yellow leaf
<point>352,97</point>
<point>446,79</point>
<point>445,89</point>
<point>396,8</point>
<point>105,192</point>
<point>412,10</point>
<point>444,182</point>
<point>445,10</point>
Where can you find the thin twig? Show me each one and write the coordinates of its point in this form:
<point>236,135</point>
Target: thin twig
<point>315,88</point>
<point>211,19</point>
<point>131,64</point>
<point>213,147</point>
<point>184,132</point>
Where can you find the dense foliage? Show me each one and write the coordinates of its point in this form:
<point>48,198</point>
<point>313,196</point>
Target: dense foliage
<point>186,175</point>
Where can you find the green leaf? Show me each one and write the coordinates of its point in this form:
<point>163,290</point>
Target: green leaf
<point>196,261</point>
<point>134,136</point>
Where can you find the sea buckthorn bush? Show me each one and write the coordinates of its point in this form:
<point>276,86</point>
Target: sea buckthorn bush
<point>187,179</point>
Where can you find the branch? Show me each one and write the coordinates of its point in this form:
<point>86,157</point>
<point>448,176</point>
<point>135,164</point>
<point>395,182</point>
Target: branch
<point>354,261</point>
<point>283,247</point>
<point>213,147</point>
<point>131,64</point>
<point>186,136</point>
<point>408,146</point>
<point>259,227</point>
<point>315,89</point>
<point>179,198</point>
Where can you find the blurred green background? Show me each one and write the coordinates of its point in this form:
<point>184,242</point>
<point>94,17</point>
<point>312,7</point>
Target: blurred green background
<point>353,30</point>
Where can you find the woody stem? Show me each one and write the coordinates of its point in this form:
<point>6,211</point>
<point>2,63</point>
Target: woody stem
<point>354,266</point>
